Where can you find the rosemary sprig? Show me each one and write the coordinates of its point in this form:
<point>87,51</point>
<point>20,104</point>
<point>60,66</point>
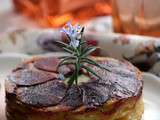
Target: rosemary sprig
<point>79,52</point>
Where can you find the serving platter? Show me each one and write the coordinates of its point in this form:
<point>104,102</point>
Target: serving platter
<point>151,86</point>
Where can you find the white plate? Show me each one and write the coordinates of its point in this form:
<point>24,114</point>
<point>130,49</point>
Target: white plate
<point>151,87</point>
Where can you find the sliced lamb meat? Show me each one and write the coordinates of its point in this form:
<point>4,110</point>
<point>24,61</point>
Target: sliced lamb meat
<point>73,97</point>
<point>29,77</point>
<point>49,93</point>
<point>47,64</point>
<point>95,94</point>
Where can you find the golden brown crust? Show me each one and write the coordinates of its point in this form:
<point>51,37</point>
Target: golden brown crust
<point>127,111</point>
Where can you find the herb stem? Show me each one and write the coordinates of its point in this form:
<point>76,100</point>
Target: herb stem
<point>79,52</point>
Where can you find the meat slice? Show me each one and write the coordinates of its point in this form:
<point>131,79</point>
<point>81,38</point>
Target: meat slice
<point>95,94</point>
<point>73,97</point>
<point>65,70</point>
<point>47,64</point>
<point>29,77</point>
<point>50,93</point>
<point>122,81</point>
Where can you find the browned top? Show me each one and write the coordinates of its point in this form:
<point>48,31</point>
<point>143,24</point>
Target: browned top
<point>37,83</point>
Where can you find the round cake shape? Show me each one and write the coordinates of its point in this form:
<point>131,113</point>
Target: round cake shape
<point>35,91</point>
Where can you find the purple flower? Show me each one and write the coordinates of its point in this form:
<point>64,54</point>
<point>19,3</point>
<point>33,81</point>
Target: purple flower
<point>74,33</point>
<point>74,43</point>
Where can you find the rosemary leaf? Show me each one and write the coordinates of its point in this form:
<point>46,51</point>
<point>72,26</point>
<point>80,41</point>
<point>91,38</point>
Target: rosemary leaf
<point>82,30</point>
<point>67,58</point>
<point>71,81</point>
<point>88,50</point>
<point>76,73</point>
<point>63,57</point>
<point>81,33</point>
<point>92,62</point>
<point>63,44</point>
<point>91,71</point>
<point>83,42</point>
<point>68,37</point>
<point>68,50</point>
<point>65,61</point>
<point>77,70</point>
